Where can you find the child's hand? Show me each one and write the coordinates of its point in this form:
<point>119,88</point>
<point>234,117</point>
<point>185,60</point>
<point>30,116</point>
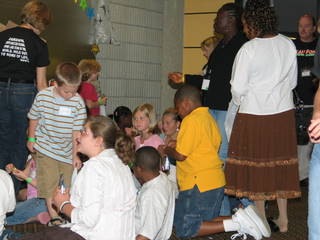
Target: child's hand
<point>102,100</point>
<point>10,167</point>
<point>128,131</point>
<point>20,175</point>
<point>161,150</point>
<point>172,144</point>
<point>30,146</point>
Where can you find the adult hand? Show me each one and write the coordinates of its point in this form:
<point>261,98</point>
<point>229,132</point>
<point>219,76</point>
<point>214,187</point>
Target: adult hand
<point>59,198</point>
<point>175,77</point>
<point>314,131</point>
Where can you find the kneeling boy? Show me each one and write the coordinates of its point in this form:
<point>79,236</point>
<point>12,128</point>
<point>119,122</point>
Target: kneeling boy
<point>200,175</point>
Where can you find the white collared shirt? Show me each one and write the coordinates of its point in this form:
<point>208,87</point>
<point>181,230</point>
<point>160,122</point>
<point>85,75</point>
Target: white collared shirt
<point>7,197</point>
<point>104,198</point>
<point>263,76</point>
<point>155,208</point>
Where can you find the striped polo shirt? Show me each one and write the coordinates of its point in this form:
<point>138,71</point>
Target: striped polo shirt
<point>58,118</point>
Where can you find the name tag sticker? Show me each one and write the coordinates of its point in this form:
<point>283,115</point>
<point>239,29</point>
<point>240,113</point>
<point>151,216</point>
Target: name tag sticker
<point>64,111</point>
<point>205,84</point>
<point>306,73</point>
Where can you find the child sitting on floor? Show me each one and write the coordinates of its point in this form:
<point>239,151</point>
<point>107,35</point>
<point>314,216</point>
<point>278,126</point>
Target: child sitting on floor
<point>34,208</point>
<point>123,117</point>
<point>144,122</point>
<point>156,198</point>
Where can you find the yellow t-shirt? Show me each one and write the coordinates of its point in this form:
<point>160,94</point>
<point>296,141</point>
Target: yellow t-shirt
<point>199,140</point>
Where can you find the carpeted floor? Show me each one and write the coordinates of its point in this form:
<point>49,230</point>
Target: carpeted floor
<point>297,213</point>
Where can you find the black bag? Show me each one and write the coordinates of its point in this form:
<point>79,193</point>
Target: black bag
<point>303,117</point>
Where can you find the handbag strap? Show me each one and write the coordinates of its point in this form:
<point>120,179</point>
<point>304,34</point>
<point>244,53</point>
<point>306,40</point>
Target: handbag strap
<point>299,104</point>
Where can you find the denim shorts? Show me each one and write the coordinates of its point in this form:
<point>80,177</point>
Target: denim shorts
<point>194,207</point>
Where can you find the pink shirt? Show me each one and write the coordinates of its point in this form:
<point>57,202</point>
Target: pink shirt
<point>153,141</point>
<point>32,191</point>
<point>88,92</point>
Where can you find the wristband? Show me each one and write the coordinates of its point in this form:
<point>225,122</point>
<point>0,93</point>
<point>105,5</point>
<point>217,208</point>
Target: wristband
<point>63,204</point>
<point>32,139</point>
<point>100,101</point>
<point>29,180</point>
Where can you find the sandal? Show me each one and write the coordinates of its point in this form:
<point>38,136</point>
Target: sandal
<point>56,221</point>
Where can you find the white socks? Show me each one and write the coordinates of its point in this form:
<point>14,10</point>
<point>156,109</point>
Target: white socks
<point>230,225</point>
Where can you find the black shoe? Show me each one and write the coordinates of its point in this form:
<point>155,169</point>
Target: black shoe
<point>304,183</point>
<point>273,226</point>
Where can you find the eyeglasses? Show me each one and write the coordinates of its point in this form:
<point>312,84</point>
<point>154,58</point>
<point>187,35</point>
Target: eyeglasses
<point>83,132</point>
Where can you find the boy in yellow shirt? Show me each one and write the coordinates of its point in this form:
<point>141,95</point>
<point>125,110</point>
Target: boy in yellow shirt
<point>200,175</point>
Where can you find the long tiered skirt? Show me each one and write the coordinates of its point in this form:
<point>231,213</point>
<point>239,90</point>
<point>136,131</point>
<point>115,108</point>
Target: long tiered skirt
<point>262,159</point>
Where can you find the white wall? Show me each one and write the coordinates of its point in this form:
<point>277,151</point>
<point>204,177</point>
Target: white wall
<point>150,32</point>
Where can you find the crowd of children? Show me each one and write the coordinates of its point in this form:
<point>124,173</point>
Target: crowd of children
<point>122,185</point>
<point>135,178</point>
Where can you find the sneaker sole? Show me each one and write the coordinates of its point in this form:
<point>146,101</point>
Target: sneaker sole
<point>258,220</point>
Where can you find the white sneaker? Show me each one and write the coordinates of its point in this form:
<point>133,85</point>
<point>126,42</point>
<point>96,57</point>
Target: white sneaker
<point>247,226</point>
<point>261,222</point>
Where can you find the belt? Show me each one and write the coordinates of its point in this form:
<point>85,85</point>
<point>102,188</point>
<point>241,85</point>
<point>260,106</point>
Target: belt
<point>14,80</point>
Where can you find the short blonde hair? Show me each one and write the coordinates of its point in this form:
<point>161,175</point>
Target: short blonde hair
<point>68,73</point>
<point>37,14</point>
<point>210,42</point>
<point>149,111</point>
<point>87,67</point>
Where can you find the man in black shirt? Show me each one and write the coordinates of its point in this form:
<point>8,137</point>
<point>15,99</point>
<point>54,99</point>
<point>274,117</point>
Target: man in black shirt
<point>218,74</point>
<point>306,88</point>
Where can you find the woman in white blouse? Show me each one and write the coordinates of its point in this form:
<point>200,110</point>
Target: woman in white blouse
<point>262,158</point>
<point>102,201</point>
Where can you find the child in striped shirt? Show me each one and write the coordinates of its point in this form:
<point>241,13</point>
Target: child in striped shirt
<point>56,117</point>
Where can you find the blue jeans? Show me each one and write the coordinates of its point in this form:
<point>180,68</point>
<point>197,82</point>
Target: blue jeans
<point>314,194</point>
<point>15,102</point>
<point>193,208</point>
<point>26,210</point>
<point>220,117</point>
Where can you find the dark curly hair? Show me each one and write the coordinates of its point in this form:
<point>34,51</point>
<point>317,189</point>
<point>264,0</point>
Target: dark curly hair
<point>260,17</point>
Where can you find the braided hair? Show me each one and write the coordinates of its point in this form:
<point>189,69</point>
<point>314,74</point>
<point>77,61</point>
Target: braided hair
<point>260,17</point>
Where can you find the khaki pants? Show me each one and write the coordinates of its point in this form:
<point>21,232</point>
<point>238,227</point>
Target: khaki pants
<point>48,173</point>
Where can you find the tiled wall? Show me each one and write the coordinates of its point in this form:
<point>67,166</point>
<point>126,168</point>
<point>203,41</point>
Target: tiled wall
<point>132,73</point>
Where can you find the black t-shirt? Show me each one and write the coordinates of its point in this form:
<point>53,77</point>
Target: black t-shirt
<point>305,55</point>
<point>21,52</point>
<point>219,72</point>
